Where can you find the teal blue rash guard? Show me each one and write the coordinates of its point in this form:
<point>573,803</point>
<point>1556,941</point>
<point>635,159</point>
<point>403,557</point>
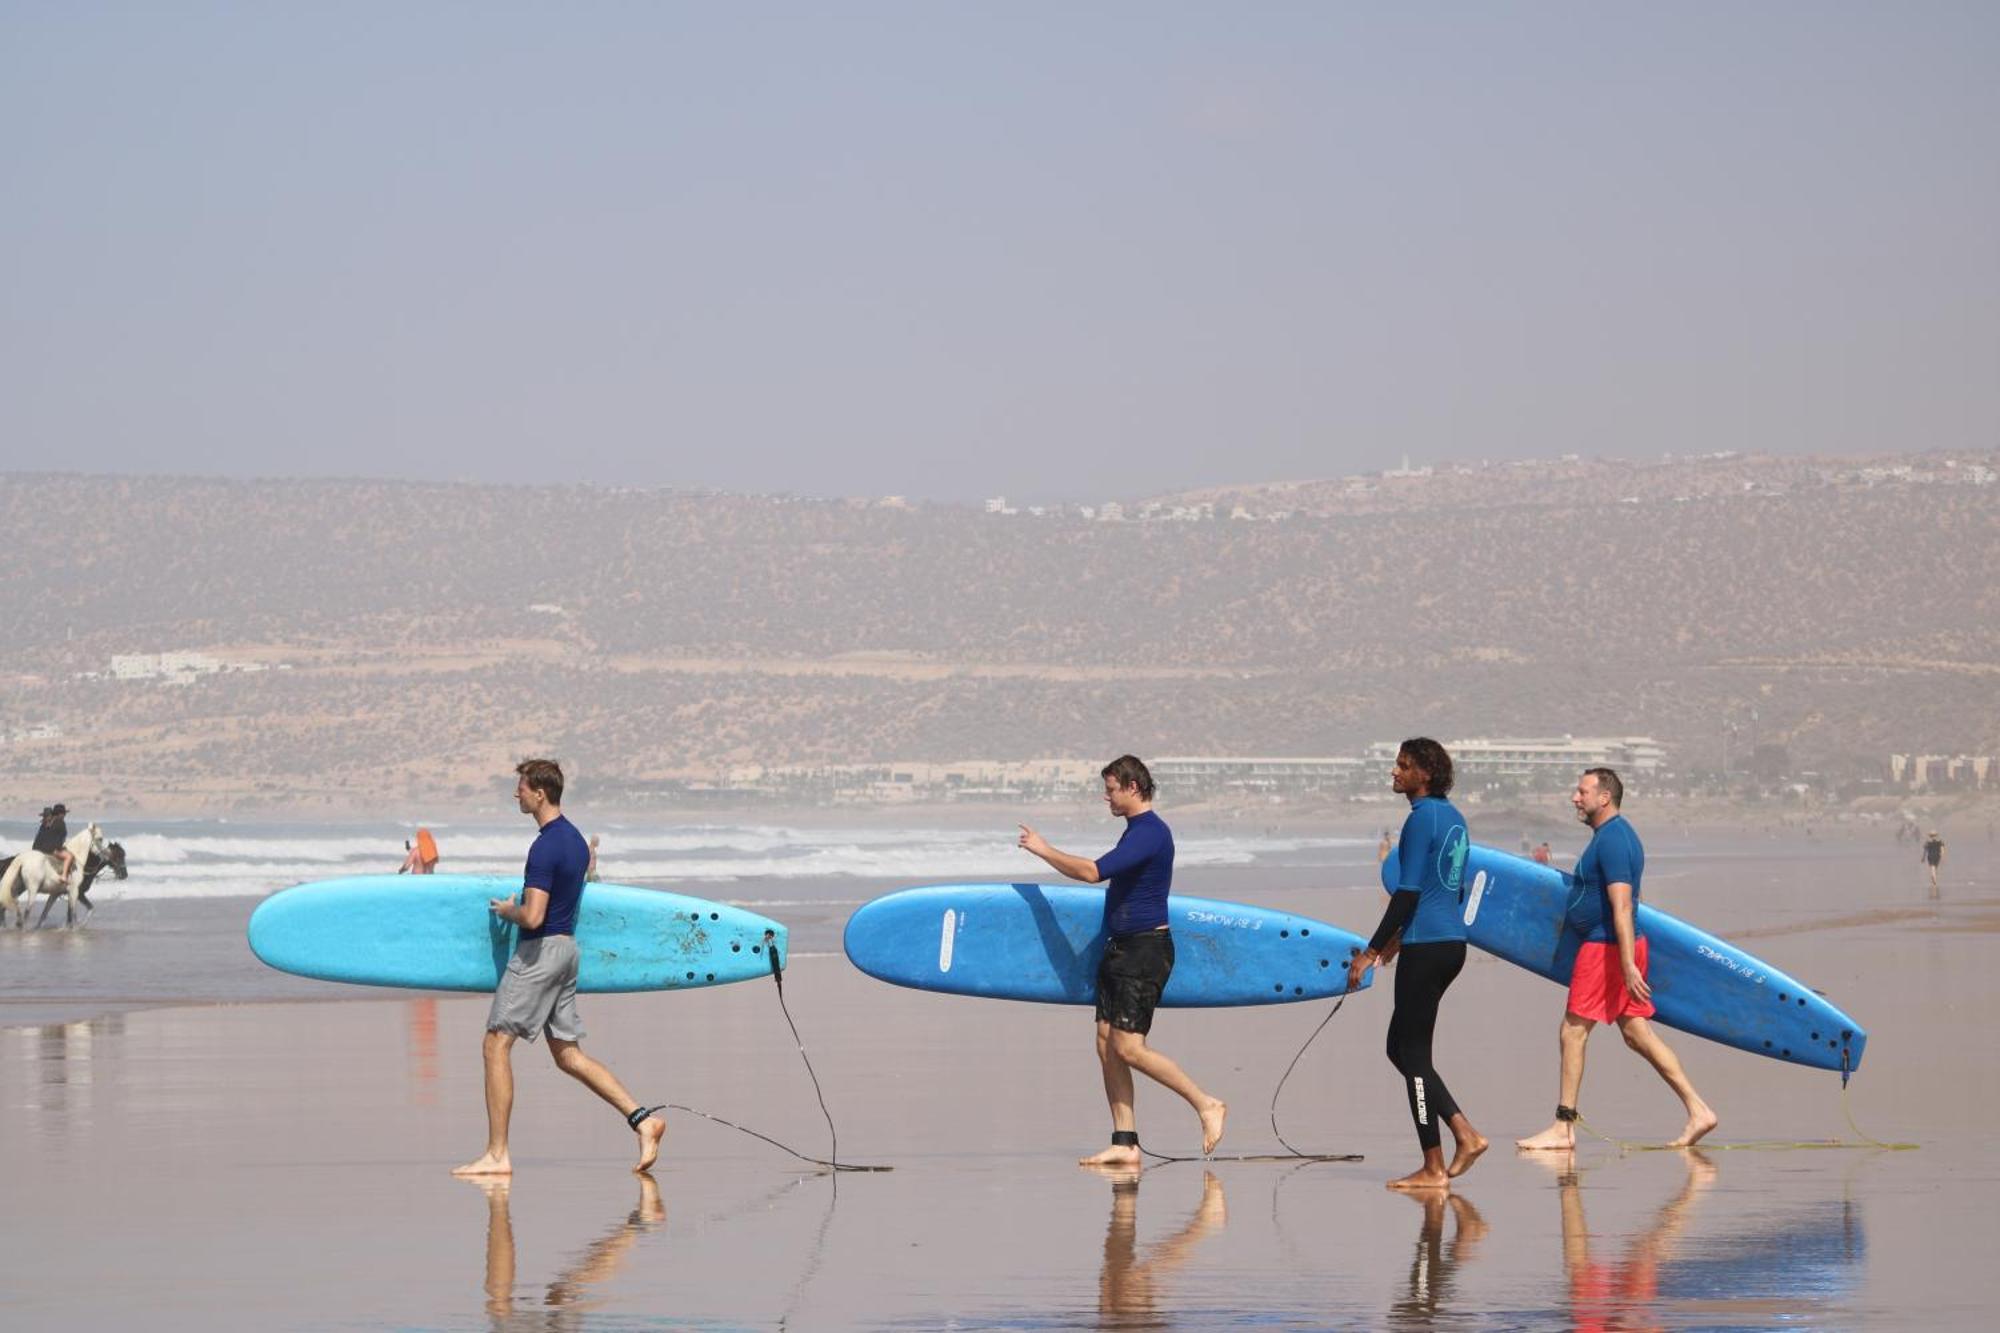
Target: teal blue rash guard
<point>1430,859</point>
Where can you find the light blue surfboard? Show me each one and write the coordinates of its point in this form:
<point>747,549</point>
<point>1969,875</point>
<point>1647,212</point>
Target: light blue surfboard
<point>1514,908</point>
<point>434,932</point>
<point>1042,942</point>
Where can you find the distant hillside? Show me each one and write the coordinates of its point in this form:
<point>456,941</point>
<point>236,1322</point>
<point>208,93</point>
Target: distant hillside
<point>433,631</point>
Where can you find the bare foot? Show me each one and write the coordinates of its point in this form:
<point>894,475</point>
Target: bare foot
<point>1121,1177</point>
<point>1470,1145</point>
<point>489,1164</point>
<point>651,1130</point>
<point>1424,1178</point>
<point>1117,1154</point>
<point>1699,1123</point>
<point>1212,1117</point>
<point>1559,1137</point>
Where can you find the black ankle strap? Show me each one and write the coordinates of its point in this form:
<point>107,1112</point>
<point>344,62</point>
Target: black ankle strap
<point>1566,1113</point>
<point>1124,1138</point>
<point>640,1116</point>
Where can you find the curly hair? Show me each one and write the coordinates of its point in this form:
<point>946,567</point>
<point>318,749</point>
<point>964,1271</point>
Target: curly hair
<point>1431,760</point>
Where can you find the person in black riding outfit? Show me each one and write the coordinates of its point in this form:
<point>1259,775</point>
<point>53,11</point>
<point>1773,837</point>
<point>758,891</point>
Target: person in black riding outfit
<point>51,836</point>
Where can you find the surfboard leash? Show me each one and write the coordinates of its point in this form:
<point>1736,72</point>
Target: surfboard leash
<point>1291,1154</point>
<point>834,1164</point>
<point>1860,1140</point>
<point>778,979</point>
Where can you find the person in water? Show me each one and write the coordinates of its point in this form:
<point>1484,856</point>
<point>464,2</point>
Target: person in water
<point>1609,983</point>
<point>422,859</point>
<point>1423,924</point>
<point>1138,957</point>
<point>537,992</point>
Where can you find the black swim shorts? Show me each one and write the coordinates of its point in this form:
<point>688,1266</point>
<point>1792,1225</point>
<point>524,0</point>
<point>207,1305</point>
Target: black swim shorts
<point>1129,980</point>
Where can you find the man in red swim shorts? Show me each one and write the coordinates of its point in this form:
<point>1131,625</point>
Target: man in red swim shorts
<point>1609,983</point>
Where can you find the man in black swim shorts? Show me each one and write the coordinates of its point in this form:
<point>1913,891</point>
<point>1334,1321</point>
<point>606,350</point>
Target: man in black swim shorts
<point>1138,957</point>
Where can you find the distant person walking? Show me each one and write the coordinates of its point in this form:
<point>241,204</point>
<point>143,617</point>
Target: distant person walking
<point>1608,984</point>
<point>1423,922</point>
<point>423,857</point>
<point>1138,957</point>
<point>1543,855</point>
<point>1382,848</point>
<point>50,836</point>
<point>1932,856</point>
<point>590,871</point>
<point>537,993</point>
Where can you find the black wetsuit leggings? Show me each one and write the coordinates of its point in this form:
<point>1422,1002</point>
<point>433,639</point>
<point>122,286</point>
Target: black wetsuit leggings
<point>1423,973</point>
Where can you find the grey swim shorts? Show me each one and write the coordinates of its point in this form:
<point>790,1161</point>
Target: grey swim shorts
<point>538,991</point>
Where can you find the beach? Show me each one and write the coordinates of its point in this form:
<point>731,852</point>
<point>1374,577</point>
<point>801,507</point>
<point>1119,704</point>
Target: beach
<point>195,1141</point>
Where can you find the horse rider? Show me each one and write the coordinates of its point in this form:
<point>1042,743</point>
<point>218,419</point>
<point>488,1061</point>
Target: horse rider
<point>51,836</point>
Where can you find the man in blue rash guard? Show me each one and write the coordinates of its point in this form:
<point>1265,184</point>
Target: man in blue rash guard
<point>537,991</point>
<point>1423,921</point>
<point>1138,958</point>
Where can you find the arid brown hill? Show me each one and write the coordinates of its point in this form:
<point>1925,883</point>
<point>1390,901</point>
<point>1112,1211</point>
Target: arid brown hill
<point>662,632</point>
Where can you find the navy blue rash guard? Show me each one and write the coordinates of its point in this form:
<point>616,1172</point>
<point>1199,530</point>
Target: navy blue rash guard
<point>1140,871</point>
<point>556,864</point>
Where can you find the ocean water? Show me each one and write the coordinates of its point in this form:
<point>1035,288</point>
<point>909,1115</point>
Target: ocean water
<point>174,931</point>
<point>223,859</point>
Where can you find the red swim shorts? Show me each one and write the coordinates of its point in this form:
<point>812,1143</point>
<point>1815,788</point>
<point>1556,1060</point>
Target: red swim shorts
<point>1597,987</point>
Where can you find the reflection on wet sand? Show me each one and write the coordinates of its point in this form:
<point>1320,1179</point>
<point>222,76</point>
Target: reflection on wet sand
<point>567,1297</point>
<point>1126,1290</point>
<point>62,1053</point>
<point>422,1036</point>
<point>1787,1266</point>
<point>1622,1294</point>
<point>1435,1263</point>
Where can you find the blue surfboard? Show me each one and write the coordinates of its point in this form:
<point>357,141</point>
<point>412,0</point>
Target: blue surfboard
<point>1042,942</point>
<point>1515,908</point>
<point>434,932</point>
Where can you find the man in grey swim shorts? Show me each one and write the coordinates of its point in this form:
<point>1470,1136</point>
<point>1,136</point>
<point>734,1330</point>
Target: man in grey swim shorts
<point>537,992</point>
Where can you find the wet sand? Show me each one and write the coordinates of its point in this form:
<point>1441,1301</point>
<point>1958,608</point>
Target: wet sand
<point>261,1165</point>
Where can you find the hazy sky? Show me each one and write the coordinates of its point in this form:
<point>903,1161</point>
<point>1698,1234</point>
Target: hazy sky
<point>949,250</point>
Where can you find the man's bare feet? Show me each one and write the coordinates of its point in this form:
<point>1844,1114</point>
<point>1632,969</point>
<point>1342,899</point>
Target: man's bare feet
<point>488,1164</point>
<point>651,1130</point>
<point>1117,1155</point>
<point>1699,1124</point>
<point>1559,1137</point>
<point>1212,1117</point>
<point>1470,1144</point>
<point>1424,1178</point>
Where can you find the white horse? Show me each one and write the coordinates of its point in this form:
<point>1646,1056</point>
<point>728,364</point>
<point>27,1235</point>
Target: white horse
<point>32,874</point>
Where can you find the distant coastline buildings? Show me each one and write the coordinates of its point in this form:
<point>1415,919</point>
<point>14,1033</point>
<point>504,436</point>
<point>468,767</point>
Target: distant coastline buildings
<point>1930,772</point>
<point>182,668</point>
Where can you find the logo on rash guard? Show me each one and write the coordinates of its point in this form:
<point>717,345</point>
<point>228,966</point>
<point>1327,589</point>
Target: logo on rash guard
<point>1451,858</point>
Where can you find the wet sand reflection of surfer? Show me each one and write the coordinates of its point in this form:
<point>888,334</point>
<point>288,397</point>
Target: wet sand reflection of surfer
<point>1126,1292</point>
<point>1620,1293</point>
<point>567,1297</point>
<point>1435,1263</point>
